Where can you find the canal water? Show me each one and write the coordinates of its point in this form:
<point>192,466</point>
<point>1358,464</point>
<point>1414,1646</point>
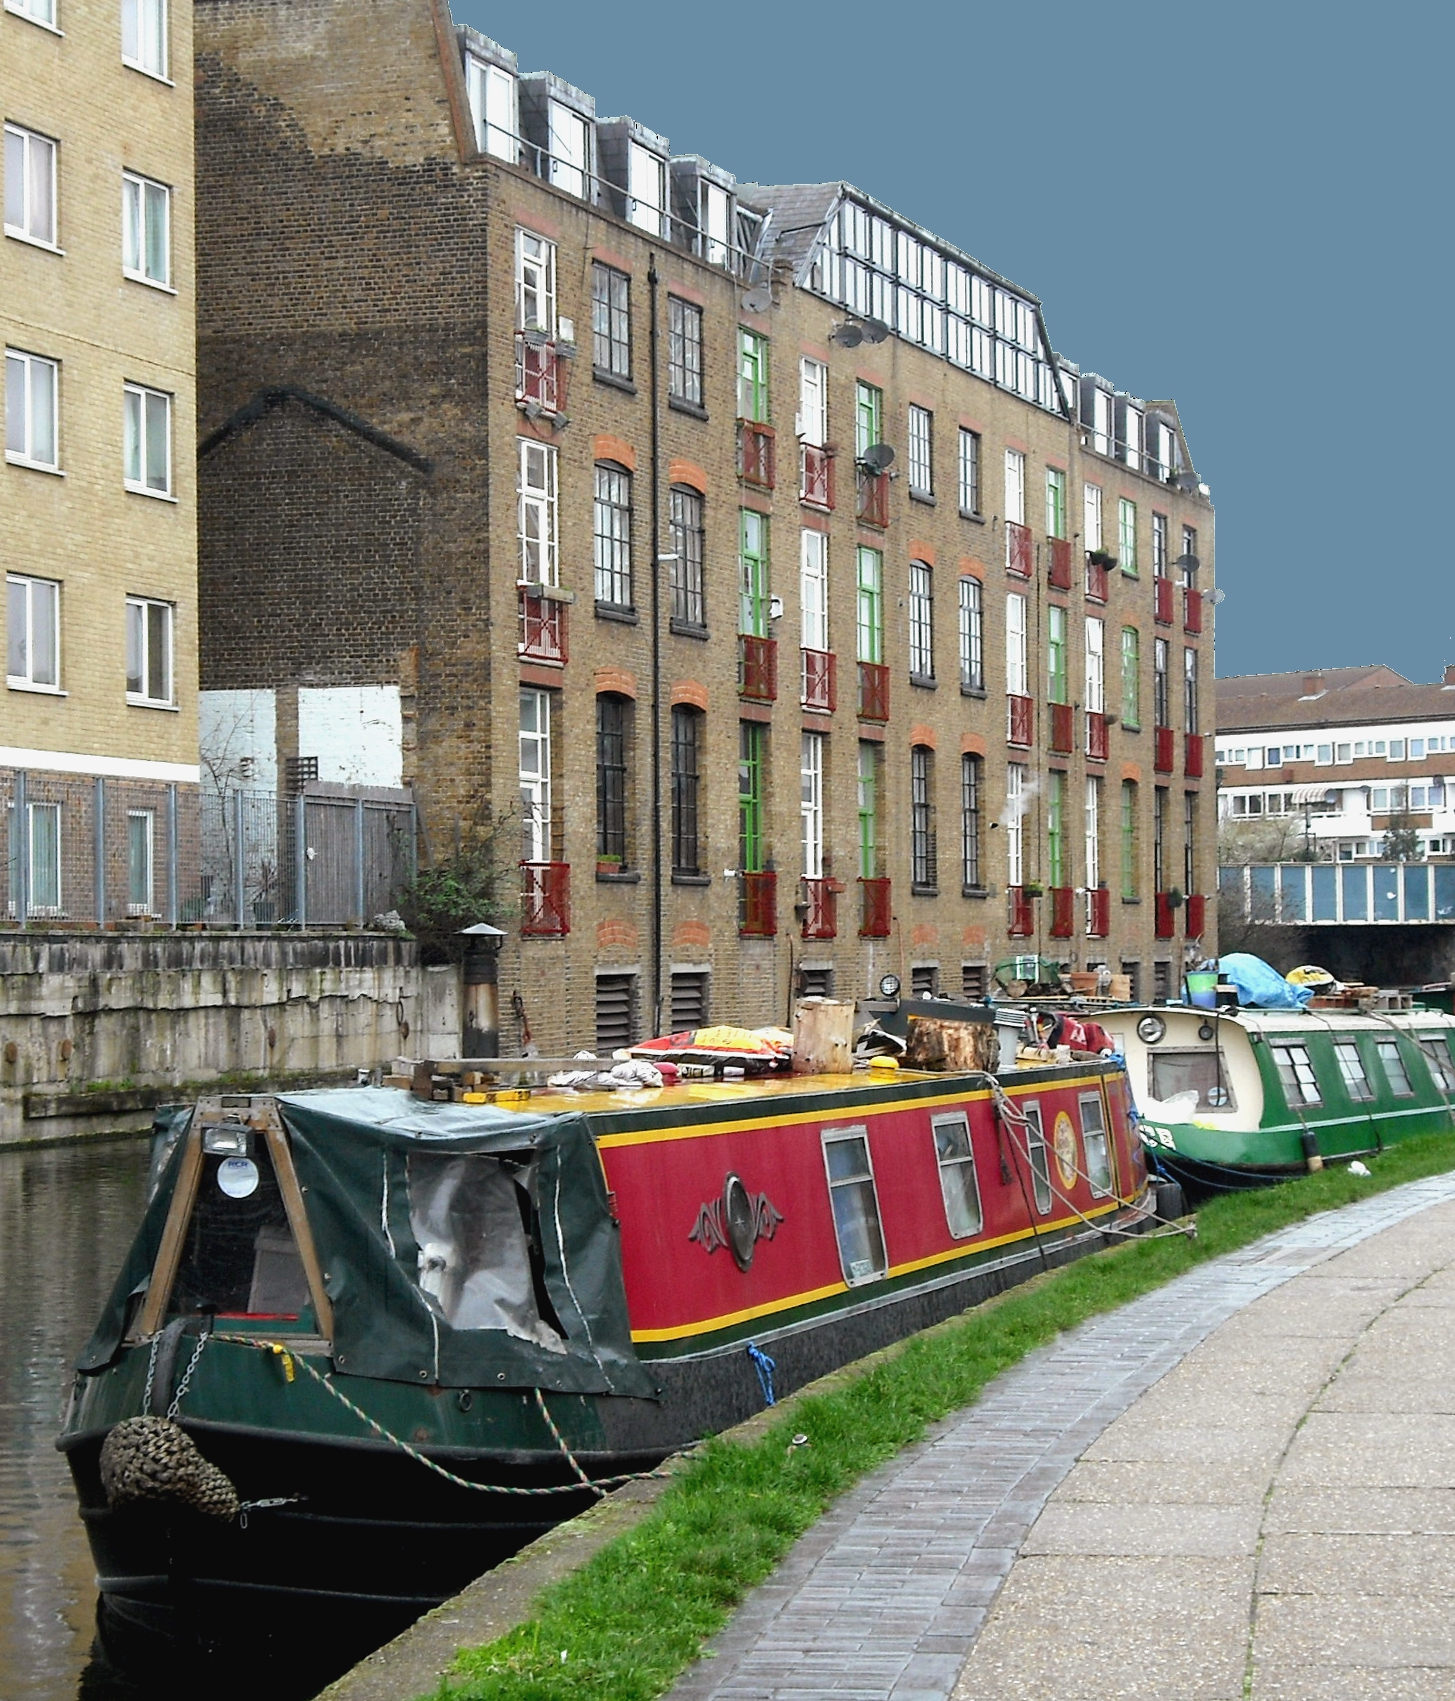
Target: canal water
<point>67,1215</point>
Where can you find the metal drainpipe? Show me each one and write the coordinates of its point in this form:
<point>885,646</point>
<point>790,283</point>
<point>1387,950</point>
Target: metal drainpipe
<point>657,895</point>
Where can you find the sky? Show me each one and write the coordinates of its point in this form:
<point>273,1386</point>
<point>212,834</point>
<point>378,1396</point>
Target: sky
<point>1245,207</point>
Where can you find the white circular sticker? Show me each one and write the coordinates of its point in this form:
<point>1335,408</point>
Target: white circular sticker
<point>237,1177</point>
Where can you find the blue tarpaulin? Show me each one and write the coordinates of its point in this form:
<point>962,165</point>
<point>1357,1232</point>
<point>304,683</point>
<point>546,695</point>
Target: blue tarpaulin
<point>1259,984</point>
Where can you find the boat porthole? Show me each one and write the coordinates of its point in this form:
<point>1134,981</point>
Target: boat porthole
<point>1150,1029</point>
<point>741,1219</point>
<point>1206,1031</point>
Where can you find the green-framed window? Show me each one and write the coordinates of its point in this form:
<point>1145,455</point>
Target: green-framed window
<point>1055,502</point>
<point>1127,536</point>
<point>752,776</point>
<point>1131,678</point>
<point>752,376</point>
<point>868,417</point>
<point>1056,827</point>
<point>1130,875</point>
<point>1056,653</point>
<point>753,572</point>
<point>871,605</point>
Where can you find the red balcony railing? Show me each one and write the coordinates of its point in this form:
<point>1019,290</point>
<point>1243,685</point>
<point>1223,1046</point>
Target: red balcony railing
<point>1018,549</point>
<point>820,897</point>
<point>1191,609</point>
<point>1096,736</point>
<point>545,899</point>
<point>873,692</point>
<point>757,668</point>
<point>1195,918</point>
<point>756,453</point>
<point>1165,915</point>
<point>758,904</point>
<point>1192,755</point>
<point>1095,581</point>
<point>542,625</point>
<point>1020,718</point>
<point>1098,912</point>
<point>540,373</point>
<point>1059,576</point>
<point>820,680</point>
<point>874,910</point>
<point>816,476</point>
<point>1022,913</point>
<point>873,497</point>
<point>1162,600</point>
<point>1063,729</point>
<point>1164,750</point>
<point>1063,911</point>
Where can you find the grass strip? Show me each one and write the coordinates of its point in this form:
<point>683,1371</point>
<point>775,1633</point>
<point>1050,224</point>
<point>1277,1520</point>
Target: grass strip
<point>628,1622</point>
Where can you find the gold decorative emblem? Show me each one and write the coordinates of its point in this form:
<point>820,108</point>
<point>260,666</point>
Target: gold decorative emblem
<point>1063,1139</point>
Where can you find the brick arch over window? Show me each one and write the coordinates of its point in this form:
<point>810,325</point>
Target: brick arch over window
<point>614,449</point>
<point>685,472</point>
<point>689,693</point>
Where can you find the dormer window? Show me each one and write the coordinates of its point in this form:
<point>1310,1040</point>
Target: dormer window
<point>647,190</point>
<point>570,162</point>
<point>492,93</point>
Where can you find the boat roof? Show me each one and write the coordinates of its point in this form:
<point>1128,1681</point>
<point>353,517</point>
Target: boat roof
<point>1354,1021</point>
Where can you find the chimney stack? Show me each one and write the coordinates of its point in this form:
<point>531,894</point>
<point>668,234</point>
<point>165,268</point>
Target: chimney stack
<point>1449,680</point>
<point>1313,685</point>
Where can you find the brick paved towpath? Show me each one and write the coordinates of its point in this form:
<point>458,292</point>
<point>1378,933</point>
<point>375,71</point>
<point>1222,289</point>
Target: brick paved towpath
<point>1242,1485</point>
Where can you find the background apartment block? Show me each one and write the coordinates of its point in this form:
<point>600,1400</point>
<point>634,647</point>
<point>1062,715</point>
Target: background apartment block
<point>548,473</point>
<point>98,735</point>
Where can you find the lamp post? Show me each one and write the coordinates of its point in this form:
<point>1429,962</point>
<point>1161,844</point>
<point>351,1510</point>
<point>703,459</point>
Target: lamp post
<point>480,1017</point>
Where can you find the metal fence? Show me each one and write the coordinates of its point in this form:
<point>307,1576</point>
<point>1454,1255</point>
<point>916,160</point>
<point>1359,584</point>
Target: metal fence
<point>94,852</point>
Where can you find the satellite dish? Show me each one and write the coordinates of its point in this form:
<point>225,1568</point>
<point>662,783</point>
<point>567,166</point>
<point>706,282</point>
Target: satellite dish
<point>875,330</point>
<point>1186,481</point>
<point>846,335</point>
<point>758,299</point>
<point>1214,597</point>
<point>1190,562</point>
<point>878,457</point>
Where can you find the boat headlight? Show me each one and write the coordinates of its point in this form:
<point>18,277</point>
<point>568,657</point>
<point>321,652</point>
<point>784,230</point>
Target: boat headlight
<point>228,1140</point>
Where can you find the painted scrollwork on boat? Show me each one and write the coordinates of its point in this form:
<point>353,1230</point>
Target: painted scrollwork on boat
<point>738,1220</point>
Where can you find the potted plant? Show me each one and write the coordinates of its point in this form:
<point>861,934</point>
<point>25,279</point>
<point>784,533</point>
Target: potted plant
<point>1032,889</point>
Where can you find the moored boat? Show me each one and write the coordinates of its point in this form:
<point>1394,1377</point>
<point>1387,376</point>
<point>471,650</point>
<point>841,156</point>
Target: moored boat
<point>409,1334</point>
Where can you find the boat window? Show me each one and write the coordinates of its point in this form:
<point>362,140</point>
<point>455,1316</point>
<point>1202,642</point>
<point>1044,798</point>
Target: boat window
<point>1199,1072</point>
<point>1036,1147</point>
<point>1093,1141</point>
<point>1300,1086</point>
<point>1394,1069</point>
<point>240,1258</point>
<point>471,1217</point>
<point>1438,1052</point>
<point>855,1204</point>
<point>958,1183</point>
<point>1351,1067</point>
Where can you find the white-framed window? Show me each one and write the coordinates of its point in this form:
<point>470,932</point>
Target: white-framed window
<point>972,635</point>
<point>536,501</point>
<point>570,149</point>
<point>813,589</point>
<point>535,775</point>
<point>1093,836</point>
<point>1016,680</point>
<point>32,633</point>
<point>855,1204</point>
<point>146,229</point>
<point>1036,1152</point>
<point>493,97</point>
<point>149,640</point>
<point>535,283</point>
<point>810,778</point>
<point>1091,515</point>
<point>144,36</point>
<point>969,471</point>
<point>1095,665</point>
<point>1055,502</point>
<point>141,827</point>
<point>38,11</point>
<point>1127,535</point>
<point>30,186</point>
<point>813,402</point>
<point>921,620</point>
<point>958,1185</point>
<point>43,845</point>
<point>646,189</point>
<point>1015,809</point>
<point>147,440</point>
<point>1094,1143</point>
<point>921,451</point>
<point>32,434</point>
<point>1015,486</point>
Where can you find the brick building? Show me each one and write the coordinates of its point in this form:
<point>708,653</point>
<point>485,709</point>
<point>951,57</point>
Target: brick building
<point>552,473</point>
<point>98,731</point>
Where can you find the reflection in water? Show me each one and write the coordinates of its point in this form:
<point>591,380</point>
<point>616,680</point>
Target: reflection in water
<point>67,1215</point>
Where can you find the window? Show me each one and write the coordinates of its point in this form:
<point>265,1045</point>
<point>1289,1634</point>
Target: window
<point>1131,678</point>
<point>1036,1152</point>
<point>752,376</point>
<point>684,351</point>
<point>1199,1072</point>
<point>754,614</point>
<point>611,814</point>
<point>958,1186</point>
<point>971,876</point>
<point>1161,706</point>
<point>1095,665</point>
<point>147,441</point>
<point>146,229</point>
<point>1055,502</point>
<point>144,35</point>
<point>813,589</point>
<point>1351,1069</point>
<point>921,620</point>
<point>43,896</point>
<point>868,418</point>
<point>611,342</point>
<point>923,861</point>
<point>689,546</point>
<point>613,536</point>
<point>1438,1054</point>
<point>1015,486</point>
<point>813,402</point>
<point>1394,1069</point>
<point>1056,828</point>
<point>1056,679</point>
<point>535,284</point>
<point>870,757</point>
<point>1091,516</point>
<point>1093,835</point>
<point>752,777</point>
<point>140,839</point>
<point>33,632</point>
<point>148,651</point>
<point>31,410</point>
<point>1189,550</point>
<point>1189,841</point>
<point>1159,545</point>
<point>689,1000</point>
<point>1094,1143</point>
<point>492,93</point>
<point>810,776</point>
<point>1296,1073</point>
<point>570,141</point>
<point>38,11</point>
<point>855,1204</point>
<point>870,622</point>
<point>686,789</point>
<point>535,776</point>
<point>969,471</point>
<point>1131,850</point>
<point>921,450</point>
<point>1159,839</point>
<point>1017,680</point>
<point>647,188</point>
<point>30,186</point>
<point>1127,536</point>
<point>972,636</point>
<point>1015,815</point>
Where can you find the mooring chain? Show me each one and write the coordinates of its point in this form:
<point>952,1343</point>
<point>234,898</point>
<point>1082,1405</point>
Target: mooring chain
<point>186,1381</point>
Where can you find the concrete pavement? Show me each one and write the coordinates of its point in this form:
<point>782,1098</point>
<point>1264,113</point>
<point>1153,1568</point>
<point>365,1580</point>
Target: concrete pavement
<point>1241,1486</point>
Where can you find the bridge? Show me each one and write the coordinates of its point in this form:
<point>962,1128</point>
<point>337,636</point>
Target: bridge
<point>1310,894</point>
